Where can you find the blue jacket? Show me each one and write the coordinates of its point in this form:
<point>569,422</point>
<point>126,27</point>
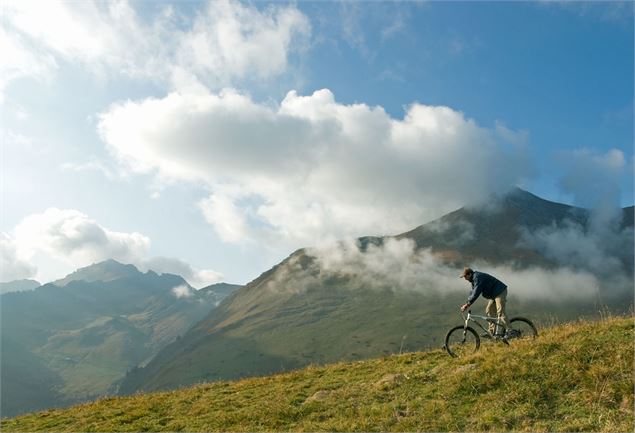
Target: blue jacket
<point>486,285</point>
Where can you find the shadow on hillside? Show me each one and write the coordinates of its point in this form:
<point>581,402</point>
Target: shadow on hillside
<point>190,363</point>
<point>27,383</point>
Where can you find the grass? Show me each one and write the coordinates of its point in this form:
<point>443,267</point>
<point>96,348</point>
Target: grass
<point>574,377</point>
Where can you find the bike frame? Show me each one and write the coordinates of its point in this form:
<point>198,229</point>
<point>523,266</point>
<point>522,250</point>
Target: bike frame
<point>495,320</point>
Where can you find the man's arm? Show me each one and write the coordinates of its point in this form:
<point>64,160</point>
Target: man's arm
<point>477,288</point>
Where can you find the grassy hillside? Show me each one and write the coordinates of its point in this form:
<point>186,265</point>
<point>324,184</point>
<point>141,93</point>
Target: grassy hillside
<point>574,377</point>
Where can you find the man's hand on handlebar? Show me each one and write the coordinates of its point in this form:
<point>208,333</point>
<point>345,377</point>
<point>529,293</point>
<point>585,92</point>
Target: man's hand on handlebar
<point>465,307</point>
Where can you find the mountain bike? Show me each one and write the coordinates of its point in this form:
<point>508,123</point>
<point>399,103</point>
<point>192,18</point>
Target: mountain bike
<point>463,340</point>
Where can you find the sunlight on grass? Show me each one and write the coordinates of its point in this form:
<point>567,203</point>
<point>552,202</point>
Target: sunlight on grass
<point>574,377</point>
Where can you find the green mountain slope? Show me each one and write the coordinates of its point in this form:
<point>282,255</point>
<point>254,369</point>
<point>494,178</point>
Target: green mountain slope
<point>78,339</point>
<point>302,311</point>
<point>574,377</point>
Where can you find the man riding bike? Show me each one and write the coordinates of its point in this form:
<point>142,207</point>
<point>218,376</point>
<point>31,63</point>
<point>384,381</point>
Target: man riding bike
<point>492,289</point>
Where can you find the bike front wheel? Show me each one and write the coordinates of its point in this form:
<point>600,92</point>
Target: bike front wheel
<point>522,329</point>
<point>461,341</point>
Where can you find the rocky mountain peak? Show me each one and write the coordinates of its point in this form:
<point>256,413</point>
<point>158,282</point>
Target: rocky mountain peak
<point>108,270</point>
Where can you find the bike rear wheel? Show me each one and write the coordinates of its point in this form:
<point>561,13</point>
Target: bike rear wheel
<point>461,341</point>
<point>522,329</point>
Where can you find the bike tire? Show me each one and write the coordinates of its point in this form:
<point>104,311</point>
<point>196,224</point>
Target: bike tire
<point>461,341</point>
<point>525,327</point>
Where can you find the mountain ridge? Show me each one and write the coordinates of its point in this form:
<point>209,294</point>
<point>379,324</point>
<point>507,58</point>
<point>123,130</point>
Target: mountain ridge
<point>301,312</point>
<point>18,286</point>
<point>106,270</point>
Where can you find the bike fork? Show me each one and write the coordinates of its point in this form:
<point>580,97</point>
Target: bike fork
<point>464,331</point>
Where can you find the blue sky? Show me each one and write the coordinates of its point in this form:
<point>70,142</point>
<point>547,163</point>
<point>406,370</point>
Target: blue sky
<point>563,74</point>
<point>212,139</point>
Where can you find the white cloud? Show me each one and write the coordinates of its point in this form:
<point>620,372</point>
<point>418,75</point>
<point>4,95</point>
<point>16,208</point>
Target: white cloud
<point>17,61</point>
<point>594,180</point>
<point>229,39</point>
<point>79,31</point>
<point>21,114</point>
<point>12,266</point>
<point>596,241</point>
<point>398,265</point>
<point>228,219</point>
<point>96,165</point>
<point>224,41</point>
<point>463,230</point>
<point>600,244</point>
<point>351,17</point>
<point>71,237</point>
<point>555,285</point>
<point>182,291</point>
<point>572,244</point>
<point>19,142</point>
<point>311,167</point>
<point>610,11</point>
<point>397,24</point>
<point>197,278</point>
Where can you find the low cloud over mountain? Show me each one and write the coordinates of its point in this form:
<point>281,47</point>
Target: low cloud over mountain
<point>398,265</point>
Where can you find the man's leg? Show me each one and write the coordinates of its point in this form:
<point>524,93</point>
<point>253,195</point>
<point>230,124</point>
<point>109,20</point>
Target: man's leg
<point>490,310</point>
<point>501,300</point>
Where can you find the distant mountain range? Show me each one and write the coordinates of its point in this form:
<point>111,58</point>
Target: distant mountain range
<point>353,303</point>
<point>18,286</point>
<point>75,339</point>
